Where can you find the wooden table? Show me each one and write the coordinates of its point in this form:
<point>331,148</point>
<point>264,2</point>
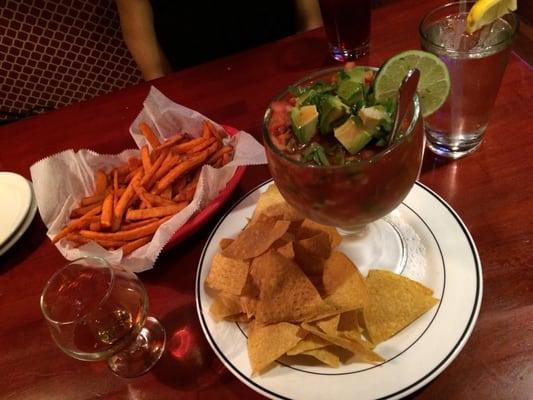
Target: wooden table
<point>492,191</point>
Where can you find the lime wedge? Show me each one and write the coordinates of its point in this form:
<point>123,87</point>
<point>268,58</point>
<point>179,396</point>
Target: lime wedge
<point>433,87</point>
<point>485,12</point>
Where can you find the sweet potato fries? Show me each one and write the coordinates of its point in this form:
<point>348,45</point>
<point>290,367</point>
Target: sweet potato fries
<point>131,201</point>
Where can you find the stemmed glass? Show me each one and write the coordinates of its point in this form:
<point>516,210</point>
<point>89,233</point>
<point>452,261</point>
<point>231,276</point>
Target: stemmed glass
<point>354,197</point>
<point>96,311</point>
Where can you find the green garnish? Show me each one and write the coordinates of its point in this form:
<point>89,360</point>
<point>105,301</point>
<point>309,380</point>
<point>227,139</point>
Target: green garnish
<point>315,153</point>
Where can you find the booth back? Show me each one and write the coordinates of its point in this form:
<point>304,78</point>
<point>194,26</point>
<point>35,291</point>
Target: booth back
<point>57,52</point>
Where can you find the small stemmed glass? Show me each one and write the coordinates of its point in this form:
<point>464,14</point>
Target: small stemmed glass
<point>96,311</point>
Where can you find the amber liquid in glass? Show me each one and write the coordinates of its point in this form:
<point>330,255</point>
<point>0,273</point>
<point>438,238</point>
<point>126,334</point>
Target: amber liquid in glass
<point>109,321</point>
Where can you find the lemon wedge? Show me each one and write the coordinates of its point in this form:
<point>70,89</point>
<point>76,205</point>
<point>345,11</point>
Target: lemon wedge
<point>485,12</point>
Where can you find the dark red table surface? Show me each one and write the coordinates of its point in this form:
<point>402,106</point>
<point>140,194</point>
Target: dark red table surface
<point>492,191</point>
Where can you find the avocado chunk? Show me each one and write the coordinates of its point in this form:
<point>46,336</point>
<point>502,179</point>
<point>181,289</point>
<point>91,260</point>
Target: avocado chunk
<point>351,136</point>
<point>356,74</point>
<point>371,116</point>
<point>350,87</point>
<point>350,91</point>
<point>331,110</point>
<point>304,122</point>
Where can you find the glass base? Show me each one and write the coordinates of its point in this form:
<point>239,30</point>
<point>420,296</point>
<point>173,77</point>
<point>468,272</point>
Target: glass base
<point>453,146</point>
<point>379,245</point>
<point>343,54</point>
<point>143,353</point>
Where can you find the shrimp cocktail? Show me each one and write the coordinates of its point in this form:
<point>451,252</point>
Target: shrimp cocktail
<point>327,144</point>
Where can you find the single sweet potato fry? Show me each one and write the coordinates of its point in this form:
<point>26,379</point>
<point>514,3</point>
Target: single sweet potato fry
<point>107,211</point>
<point>169,143</point>
<point>154,212</point>
<point>100,182</point>
<point>126,226</point>
<point>105,243</point>
<point>185,147</point>
<point>78,212</point>
<point>87,201</point>
<point>206,133</point>
<point>130,247</point>
<point>115,180</point>
<point>149,135</point>
<point>205,144</point>
<point>145,158</point>
<point>130,234</point>
<point>124,201</point>
<point>157,200</point>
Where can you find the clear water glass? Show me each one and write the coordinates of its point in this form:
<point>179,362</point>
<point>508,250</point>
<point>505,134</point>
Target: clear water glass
<point>476,63</point>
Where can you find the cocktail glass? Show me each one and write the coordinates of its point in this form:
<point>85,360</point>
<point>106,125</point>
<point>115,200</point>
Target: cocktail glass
<point>355,197</point>
<point>476,64</point>
<point>98,312</point>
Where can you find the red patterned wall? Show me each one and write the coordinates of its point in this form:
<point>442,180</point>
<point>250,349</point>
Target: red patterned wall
<point>57,52</point>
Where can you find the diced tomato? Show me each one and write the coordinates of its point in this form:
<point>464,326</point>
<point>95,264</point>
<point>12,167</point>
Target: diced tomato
<point>279,120</point>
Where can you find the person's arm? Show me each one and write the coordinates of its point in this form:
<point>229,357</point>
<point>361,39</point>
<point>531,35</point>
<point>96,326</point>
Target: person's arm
<point>137,24</point>
<point>308,14</point>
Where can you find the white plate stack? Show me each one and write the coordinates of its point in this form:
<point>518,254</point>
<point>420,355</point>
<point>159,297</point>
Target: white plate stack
<point>17,208</point>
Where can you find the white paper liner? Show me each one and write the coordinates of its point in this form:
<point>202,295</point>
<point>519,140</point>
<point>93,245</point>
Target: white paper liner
<point>61,180</point>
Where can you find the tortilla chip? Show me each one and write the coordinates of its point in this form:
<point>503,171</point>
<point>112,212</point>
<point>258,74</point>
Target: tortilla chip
<point>310,342</point>
<point>225,242</point>
<point>285,292</point>
<point>266,343</point>
<point>318,245</point>
<point>286,238</point>
<point>256,238</point>
<point>249,305</point>
<point>349,322</point>
<point>329,325</point>
<point>225,305</point>
<point>287,250</point>
<point>272,204</point>
<point>358,349</point>
<point>394,302</point>
<point>310,228</point>
<point>324,355</point>
<point>344,287</point>
<point>311,265</point>
<point>227,274</point>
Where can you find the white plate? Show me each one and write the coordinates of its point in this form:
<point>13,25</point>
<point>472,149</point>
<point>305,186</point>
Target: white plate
<point>26,222</point>
<point>413,357</point>
<point>15,201</point>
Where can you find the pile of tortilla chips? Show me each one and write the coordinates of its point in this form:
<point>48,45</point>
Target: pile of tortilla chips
<point>301,297</point>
